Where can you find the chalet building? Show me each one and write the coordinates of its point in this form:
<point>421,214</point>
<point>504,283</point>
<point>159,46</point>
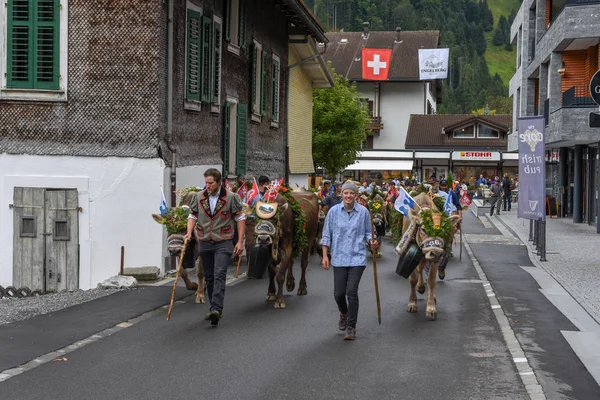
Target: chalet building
<point>558,52</point>
<point>103,105</point>
<point>467,145</point>
<point>392,101</point>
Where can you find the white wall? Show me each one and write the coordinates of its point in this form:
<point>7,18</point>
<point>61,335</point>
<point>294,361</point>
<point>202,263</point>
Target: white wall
<point>118,196</point>
<point>298,179</point>
<point>398,101</point>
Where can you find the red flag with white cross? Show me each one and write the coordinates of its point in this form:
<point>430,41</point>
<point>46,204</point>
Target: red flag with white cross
<point>376,64</point>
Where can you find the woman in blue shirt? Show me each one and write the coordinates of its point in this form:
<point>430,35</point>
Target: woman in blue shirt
<point>346,229</point>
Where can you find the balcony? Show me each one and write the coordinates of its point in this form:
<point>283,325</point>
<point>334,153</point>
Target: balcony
<point>375,126</point>
<point>577,96</point>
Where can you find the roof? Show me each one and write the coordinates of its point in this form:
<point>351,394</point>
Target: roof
<point>300,15</point>
<point>426,131</point>
<point>344,51</point>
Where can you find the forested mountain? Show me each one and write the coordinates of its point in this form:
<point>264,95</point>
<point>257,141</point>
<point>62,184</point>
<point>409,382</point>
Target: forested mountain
<point>468,28</point>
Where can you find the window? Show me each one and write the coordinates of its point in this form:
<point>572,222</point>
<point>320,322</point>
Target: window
<point>29,226</point>
<point>258,104</point>
<point>485,132</point>
<point>203,59</point>
<point>275,84</point>
<point>235,25</point>
<point>61,229</point>
<point>467,132</point>
<point>33,53</point>
<point>235,125</point>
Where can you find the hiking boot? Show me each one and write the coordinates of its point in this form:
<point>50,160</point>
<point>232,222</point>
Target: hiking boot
<point>350,334</point>
<point>343,324</point>
<point>441,274</point>
<point>214,317</point>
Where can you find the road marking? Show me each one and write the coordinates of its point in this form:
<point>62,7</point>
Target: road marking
<point>49,357</point>
<point>526,373</point>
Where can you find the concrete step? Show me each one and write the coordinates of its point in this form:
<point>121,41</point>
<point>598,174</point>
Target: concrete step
<point>143,273</point>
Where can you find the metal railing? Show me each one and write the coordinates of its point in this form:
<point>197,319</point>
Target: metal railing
<point>579,2</point>
<point>537,235</point>
<point>577,96</point>
<point>375,124</point>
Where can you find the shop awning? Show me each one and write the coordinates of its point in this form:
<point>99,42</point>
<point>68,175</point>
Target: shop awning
<point>381,165</point>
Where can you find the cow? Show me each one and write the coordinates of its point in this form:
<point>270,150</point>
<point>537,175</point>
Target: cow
<point>269,240</point>
<point>433,250</point>
<point>175,243</point>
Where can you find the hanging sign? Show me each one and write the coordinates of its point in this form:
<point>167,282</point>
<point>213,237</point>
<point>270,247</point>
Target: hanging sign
<point>433,64</point>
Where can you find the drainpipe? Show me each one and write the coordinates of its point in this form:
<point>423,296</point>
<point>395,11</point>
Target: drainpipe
<point>169,138</point>
<point>287,125</point>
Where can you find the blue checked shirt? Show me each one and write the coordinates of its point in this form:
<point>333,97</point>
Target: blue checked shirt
<point>345,233</point>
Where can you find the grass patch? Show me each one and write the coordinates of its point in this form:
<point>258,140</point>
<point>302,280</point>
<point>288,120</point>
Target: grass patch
<point>498,59</point>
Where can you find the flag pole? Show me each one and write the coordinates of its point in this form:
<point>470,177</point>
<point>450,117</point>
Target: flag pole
<point>375,271</point>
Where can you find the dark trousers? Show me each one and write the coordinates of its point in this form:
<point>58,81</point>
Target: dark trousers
<point>505,201</point>
<point>494,201</point>
<point>345,284</point>
<point>215,257</point>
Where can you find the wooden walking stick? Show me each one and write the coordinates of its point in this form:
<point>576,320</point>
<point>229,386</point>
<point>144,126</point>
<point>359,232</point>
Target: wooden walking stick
<point>375,271</point>
<point>460,257</point>
<point>185,243</point>
<point>237,270</point>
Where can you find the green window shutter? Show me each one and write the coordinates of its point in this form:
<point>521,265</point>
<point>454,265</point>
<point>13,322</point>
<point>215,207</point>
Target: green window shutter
<point>216,72</point>
<point>240,149</point>
<point>228,20</point>
<point>275,98</point>
<point>193,63</point>
<point>47,36</point>
<point>242,24</point>
<point>33,44</point>
<point>254,61</point>
<point>205,70</point>
<point>20,45</point>
<point>226,139</point>
<point>263,85</point>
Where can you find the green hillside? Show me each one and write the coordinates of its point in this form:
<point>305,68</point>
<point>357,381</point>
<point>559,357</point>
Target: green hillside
<point>498,59</point>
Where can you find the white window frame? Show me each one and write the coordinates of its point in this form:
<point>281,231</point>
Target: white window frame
<point>216,107</point>
<point>233,44</point>
<point>487,138</point>
<point>190,104</point>
<point>255,113</point>
<point>275,122</point>
<point>59,95</point>
<point>463,137</point>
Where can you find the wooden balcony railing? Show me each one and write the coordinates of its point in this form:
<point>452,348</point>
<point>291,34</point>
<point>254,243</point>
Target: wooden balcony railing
<point>375,125</point>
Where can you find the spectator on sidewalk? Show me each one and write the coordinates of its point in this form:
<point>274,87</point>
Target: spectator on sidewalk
<point>481,180</point>
<point>214,227</point>
<point>346,229</point>
<point>496,194</point>
<point>506,184</point>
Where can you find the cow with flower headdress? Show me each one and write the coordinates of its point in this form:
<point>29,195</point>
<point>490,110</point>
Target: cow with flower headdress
<point>426,232</point>
<point>175,221</point>
<point>279,229</point>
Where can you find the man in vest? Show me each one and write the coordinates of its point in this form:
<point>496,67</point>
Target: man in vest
<point>213,213</point>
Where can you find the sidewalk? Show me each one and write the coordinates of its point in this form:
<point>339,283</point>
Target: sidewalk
<point>571,254</point>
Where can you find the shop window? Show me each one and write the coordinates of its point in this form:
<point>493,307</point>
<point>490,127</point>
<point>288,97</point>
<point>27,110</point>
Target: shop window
<point>485,132</point>
<point>467,132</point>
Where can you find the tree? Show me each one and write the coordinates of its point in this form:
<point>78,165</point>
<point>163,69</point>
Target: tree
<point>340,120</point>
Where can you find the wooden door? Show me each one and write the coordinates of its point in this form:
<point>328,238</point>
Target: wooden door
<point>45,239</point>
<point>61,232</point>
<point>28,238</point>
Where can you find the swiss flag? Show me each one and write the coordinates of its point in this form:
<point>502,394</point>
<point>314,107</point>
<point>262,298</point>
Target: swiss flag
<point>376,64</point>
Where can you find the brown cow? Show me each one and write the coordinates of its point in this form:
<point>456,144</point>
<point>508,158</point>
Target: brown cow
<point>175,241</point>
<point>269,245</point>
<point>433,249</point>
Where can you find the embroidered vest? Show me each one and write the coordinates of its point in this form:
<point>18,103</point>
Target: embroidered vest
<point>215,227</point>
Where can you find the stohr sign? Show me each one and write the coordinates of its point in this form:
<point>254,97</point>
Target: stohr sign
<point>476,155</point>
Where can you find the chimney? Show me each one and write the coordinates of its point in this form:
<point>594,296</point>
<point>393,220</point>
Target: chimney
<point>366,29</point>
<point>398,29</point>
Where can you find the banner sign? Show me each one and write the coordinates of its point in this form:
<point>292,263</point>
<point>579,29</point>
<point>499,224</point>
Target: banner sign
<point>376,64</point>
<point>433,64</point>
<point>532,168</point>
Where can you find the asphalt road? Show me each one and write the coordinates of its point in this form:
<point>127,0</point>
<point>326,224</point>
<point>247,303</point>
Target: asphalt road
<point>258,352</point>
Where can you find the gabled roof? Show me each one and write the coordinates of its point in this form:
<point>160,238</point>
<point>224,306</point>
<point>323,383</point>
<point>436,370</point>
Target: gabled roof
<point>427,131</point>
<point>344,50</point>
<point>300,15</point>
